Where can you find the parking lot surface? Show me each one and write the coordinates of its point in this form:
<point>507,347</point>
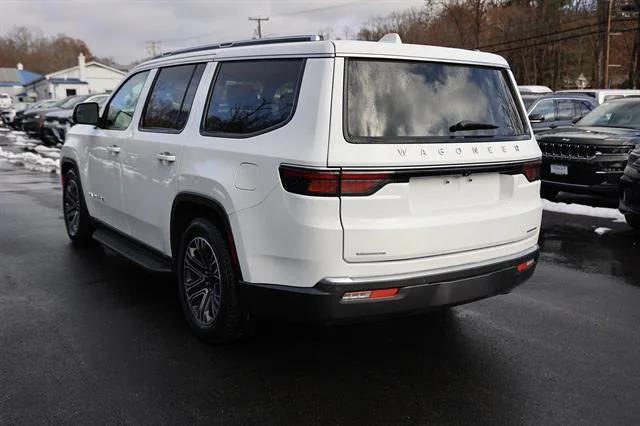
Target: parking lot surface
<point>87,337</point>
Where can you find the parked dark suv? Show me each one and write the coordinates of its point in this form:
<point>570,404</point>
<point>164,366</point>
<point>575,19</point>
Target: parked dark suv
<point>590,156</point>
<point>558,109</point>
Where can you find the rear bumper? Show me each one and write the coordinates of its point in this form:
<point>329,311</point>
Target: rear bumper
<point>416,294</point>
<point>598,189</point>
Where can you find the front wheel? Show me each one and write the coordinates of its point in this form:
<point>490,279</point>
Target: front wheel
<point>207,285</point>
<point>76,215</point>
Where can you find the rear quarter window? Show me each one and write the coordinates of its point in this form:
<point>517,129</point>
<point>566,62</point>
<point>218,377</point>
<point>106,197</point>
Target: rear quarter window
<point>251,97</point>
<point>394,101</point>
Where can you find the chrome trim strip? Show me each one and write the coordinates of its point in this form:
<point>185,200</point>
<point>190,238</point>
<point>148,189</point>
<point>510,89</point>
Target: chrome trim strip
<point>420,274</point>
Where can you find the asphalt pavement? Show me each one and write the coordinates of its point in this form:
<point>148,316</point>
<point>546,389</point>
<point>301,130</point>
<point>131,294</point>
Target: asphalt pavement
<point>87,337</point>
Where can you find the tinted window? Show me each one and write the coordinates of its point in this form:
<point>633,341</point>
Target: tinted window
<point>123,104</point>
<point>394,101</point>
<point>621,113</point>
<point>251,96</point>
<point>545,108</point>
<point>171,97</point>
<point>584,107</point>
<point>565,109</point>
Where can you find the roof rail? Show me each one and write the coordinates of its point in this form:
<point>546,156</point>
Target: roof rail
<point>252,42</point>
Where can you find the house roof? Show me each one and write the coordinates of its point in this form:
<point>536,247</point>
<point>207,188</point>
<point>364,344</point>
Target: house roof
<point>66,70</point>
<point>16,77</point>
<point>66,81</point>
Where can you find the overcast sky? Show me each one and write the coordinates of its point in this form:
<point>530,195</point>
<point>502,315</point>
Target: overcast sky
<point>120,29</point>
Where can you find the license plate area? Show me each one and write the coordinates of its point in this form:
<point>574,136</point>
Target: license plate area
<point>559,169</point>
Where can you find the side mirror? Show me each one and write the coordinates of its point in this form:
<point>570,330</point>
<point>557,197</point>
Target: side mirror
<point>536,118</point>
<point>574,120</point>
<point>86,113</point>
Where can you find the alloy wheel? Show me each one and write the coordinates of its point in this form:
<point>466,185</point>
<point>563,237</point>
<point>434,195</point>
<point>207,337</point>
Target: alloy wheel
<point>72,206</point>
<point>201,278</point>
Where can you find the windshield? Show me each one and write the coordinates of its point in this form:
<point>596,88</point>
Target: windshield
<point>389,101</point>
<point>623,113</point>
<point>528,100</point>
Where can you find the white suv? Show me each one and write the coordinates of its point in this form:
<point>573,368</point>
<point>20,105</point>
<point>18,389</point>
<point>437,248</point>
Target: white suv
<point>311,179</point>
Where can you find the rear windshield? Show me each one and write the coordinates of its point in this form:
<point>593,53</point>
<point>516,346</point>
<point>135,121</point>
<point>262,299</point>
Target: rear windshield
<point>390,101</point>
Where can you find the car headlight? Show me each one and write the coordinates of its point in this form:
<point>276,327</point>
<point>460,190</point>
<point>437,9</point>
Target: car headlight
<point>36,116</point>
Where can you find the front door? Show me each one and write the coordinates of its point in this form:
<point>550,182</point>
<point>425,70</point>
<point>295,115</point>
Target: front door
<point>151,158</point>
<point>106,144</point>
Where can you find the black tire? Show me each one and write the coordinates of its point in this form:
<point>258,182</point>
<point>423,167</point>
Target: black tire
<point>207,285</point>
<point>549,193</point>
<point>633,221</point>
<point>75,213</point>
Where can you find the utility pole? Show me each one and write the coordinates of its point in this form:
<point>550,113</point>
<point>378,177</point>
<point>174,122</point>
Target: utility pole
<point>259,20</point>
<point>153,48</point>
<point>607,43</point>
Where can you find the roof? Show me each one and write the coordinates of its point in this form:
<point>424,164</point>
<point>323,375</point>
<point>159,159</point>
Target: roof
<point>66,81</point>
<point>91,63</point>
<point>16,77</point>
<point>534,90</point>
<point>331,49</point>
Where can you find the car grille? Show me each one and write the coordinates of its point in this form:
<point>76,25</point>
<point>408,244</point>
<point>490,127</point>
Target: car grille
<point>568,150</point>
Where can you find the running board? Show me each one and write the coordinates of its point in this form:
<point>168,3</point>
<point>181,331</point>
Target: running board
<point>132,250</point>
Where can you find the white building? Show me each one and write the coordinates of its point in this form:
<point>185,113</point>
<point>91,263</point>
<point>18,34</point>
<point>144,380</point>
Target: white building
<point>82,79</point>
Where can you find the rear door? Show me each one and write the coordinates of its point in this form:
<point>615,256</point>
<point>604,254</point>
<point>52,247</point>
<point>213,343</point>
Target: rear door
<point>434,158</point>
<point>151,158</point>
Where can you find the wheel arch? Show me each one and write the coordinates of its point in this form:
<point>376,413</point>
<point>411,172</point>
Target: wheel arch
<point>188,206</point>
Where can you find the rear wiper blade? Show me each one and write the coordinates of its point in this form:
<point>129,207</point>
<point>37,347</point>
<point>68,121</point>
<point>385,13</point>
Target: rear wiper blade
<point>471,125</point>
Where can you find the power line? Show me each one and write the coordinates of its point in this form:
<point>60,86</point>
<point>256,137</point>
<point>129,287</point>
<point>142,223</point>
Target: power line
<point>560,39</point>
<point>619,20</point>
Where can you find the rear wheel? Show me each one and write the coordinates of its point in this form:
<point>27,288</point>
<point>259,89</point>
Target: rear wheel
<point>207,285</point>
<point>549,193</point>
<point>633,220</point>
<point>76,215</point>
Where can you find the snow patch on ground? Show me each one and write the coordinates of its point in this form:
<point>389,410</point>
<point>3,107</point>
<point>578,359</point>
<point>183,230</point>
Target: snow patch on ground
<point>601,230</point>
<point>32,161</point>
<point>581,209</point>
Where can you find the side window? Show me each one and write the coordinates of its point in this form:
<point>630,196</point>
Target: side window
<point>120,110</point>
<point>171,96</point>
<point>546,108</point>
<point>584,107</point>
<point>253,96</point>
<point>565,109</point>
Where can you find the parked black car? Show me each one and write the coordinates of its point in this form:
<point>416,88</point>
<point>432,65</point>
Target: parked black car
<point>58,121</point>
<point>590,156</point>
<point>32,120</point>
<point>18,118</point>
<point>630,190</point>
<point>558,109</point>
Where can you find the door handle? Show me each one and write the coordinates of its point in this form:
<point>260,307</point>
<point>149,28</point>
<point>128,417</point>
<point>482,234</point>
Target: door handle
<point>166,156</point>
<point>113,148</point>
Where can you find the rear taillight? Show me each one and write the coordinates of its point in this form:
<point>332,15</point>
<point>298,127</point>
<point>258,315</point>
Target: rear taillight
<point>329,183</point>
<point>531,170</point>
<point>363,183</point>
<point>321,183</point>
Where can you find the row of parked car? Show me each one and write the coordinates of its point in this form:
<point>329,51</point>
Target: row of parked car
<point>590,143</point>
<point>48,120</point>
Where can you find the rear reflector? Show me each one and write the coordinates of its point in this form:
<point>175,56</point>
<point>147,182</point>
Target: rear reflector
<point>370,294</point>
<point>531,170</point>
<point>525,265</point>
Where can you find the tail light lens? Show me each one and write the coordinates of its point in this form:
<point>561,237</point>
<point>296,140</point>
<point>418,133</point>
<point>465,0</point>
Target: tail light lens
<point>321,183</point>
<point>531,170</point>
<point>326,183</point>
